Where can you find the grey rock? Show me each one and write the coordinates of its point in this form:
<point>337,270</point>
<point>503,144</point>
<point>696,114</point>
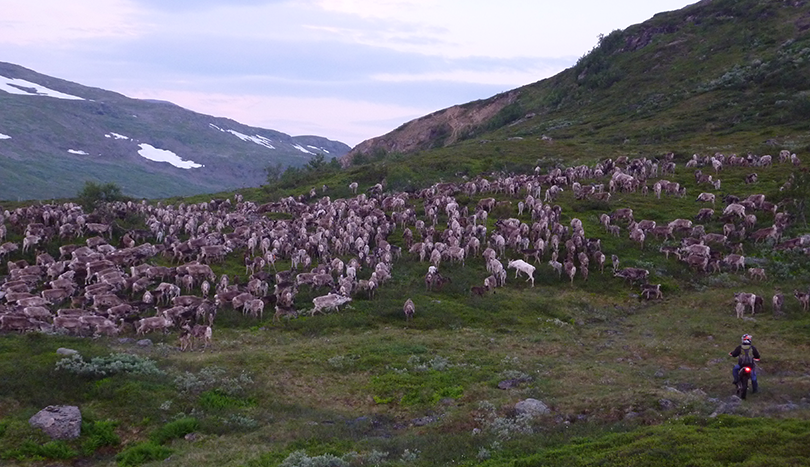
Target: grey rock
<point>728,407</point>
<point>512,383</point>
<point>532,407</point>
<point>66,351</point>
<point>422,421</point>
<point>126,340</point>
<point>59,421</point>
<point>659,374</point>
<point>789,407</point>
<point>666,404</point>
<point>684,387</point>
<point>144,343</point>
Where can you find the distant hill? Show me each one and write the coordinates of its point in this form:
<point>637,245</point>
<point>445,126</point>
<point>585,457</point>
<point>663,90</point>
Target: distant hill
<point>55,135</point>
<point>718,73</point>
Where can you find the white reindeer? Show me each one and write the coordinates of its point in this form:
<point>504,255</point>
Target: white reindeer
<point>522,266</point>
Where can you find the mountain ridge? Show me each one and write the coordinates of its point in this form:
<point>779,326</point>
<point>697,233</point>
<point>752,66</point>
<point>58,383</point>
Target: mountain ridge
<point>709,72</point>
<point>54,145</point>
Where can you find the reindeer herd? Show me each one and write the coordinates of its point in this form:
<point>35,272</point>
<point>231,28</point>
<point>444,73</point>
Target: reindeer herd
<point>107,279</point>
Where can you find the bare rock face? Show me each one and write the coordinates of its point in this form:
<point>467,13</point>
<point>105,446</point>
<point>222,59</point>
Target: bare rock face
<point>59,421</point>
<point>441,128</point>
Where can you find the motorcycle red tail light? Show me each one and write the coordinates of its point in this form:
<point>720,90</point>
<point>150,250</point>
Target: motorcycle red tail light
<point>747,370</point>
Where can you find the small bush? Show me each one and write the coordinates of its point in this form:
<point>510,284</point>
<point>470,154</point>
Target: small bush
<point>174,430</point>
<point>409,455</point>
<point>504,428</point>
<point>240,422</point>
<point>215,399</point>
<point>376,457</point>
<point>57,450</point>
<point>212,378</point>
<point>93,194</point>
<point>99,434</point>
<point>142,453</point>
<point>301,459</point>
<point>110,365</point>
<point>21,441</point>
<point>30,450</point>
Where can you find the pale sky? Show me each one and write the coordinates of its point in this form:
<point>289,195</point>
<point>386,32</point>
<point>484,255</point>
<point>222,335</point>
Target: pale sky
<point>346,70</point>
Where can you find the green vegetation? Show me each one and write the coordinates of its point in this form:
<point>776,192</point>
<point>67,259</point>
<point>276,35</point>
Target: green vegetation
<point>93,194</point>
<point>626,381</point>
<point>142,453</point>
<point>724,440</point>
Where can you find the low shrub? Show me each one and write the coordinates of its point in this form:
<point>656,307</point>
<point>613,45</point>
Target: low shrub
<point>215,399</point>
<point>110,365</point>
<point>212,378</point>
<point>301,459</point>
<point>142,453</point>
<point>98,435</point>
<point>31,450</point>
<point>20,441</point>
<point>174,430</point>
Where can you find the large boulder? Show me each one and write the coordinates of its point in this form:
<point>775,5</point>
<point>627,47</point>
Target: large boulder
<point>531,407</point>
<point>59,421</point>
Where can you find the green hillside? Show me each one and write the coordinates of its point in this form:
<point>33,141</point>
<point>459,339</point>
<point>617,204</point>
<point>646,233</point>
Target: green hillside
<point>729,76</point>
<point>620,378</point>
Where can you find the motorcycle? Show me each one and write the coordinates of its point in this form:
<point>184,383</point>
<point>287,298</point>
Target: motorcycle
<point>744,377</point>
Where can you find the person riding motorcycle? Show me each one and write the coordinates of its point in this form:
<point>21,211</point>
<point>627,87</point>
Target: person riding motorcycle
<point>746,354</point>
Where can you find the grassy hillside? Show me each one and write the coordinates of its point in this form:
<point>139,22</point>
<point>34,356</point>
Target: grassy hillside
<point>622,376</point>
<point>723,75</point>
<point>626,380</point>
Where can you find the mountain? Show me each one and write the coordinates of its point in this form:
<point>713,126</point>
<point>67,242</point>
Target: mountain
<point>55,135</point>
<point>713,74</point>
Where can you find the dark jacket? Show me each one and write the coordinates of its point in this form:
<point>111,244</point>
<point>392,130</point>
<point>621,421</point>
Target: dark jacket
<point>746,356</point>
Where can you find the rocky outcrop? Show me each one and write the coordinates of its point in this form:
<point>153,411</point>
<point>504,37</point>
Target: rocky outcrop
<point>532,408</point>
<point>438,129</point>
<point>58,421</point>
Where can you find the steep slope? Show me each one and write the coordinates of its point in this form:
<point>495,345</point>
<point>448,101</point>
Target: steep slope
<point>56,135</point>
<point>716,71</point>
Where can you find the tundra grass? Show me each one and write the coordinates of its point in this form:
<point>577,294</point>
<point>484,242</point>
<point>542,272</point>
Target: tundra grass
<point>365,380</point>
<point>593,361</point>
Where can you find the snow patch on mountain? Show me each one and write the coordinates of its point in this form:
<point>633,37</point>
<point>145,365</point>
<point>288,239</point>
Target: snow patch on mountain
<point>78,152</point>
<point>115,135</point>
<point>258,139</point>
<point>2,136</point>
<point>27,88</point>
<point>301,148</point>
<point>318,149</point>
<point>162,155</point>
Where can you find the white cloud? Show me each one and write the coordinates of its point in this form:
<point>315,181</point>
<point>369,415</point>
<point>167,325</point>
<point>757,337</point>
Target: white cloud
<point>349,121</point>
<point>59,22</point>
<point>501,77</point>
<point>504,29</point>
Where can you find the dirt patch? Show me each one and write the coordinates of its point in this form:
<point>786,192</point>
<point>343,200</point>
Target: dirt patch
<point>440,128</point>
